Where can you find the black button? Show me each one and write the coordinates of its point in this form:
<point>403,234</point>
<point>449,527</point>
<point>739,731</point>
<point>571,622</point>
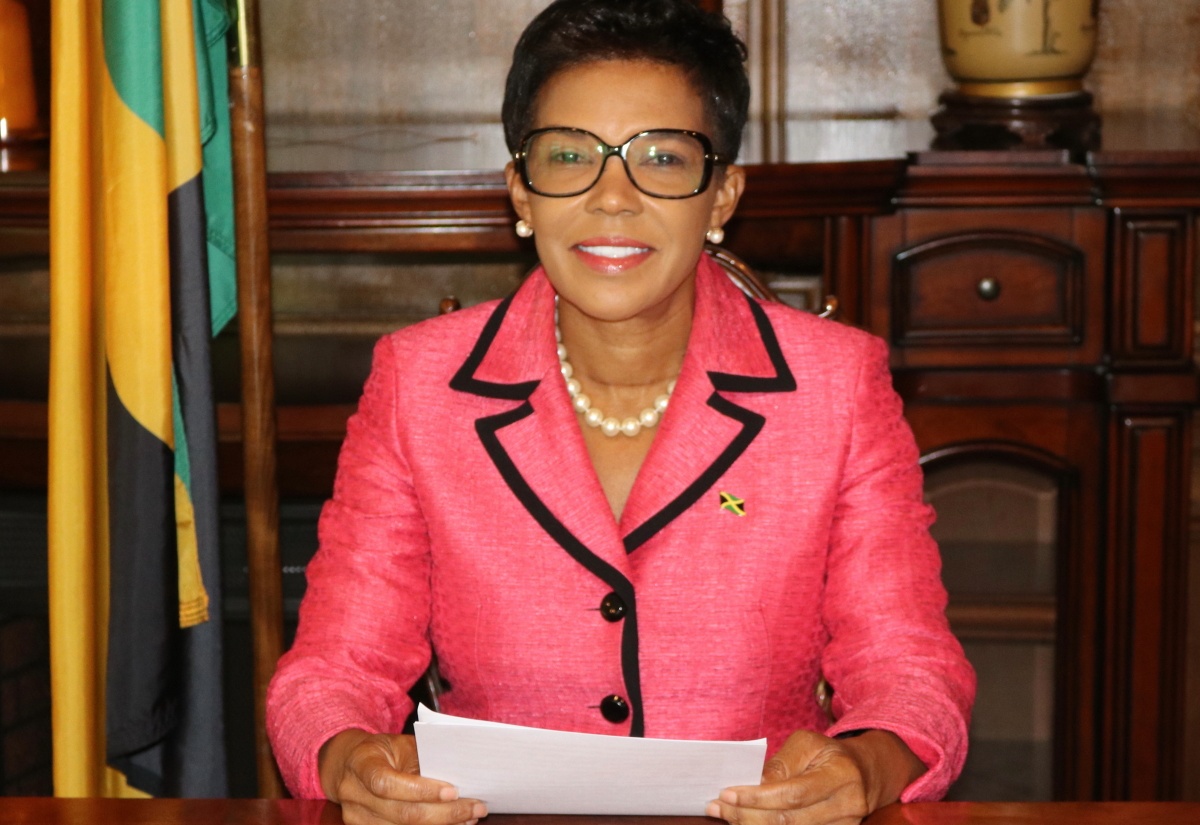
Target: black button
<point>614,709</point>
<point>612,608</point>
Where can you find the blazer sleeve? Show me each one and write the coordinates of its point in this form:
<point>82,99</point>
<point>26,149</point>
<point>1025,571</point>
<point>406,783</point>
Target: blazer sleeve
<point>362,640</point>
<point>892,660</point>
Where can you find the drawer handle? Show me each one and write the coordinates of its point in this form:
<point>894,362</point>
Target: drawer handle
<point>988,289</point>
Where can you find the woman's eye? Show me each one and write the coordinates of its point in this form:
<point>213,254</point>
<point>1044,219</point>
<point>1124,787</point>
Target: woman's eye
<point>663,159</point>
<point>567,157</point>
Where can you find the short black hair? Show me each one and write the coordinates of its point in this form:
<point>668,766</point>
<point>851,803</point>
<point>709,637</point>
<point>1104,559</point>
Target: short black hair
<point>679,33</point>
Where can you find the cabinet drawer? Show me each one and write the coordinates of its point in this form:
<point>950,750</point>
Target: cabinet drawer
<point>984,287</point>
<point>988,288</point>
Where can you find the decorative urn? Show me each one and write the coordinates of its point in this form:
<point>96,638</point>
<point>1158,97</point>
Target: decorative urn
<point>1018,48</point>
<point>1018,66</point>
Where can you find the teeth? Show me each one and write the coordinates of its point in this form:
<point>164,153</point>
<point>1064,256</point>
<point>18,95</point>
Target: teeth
<point>614,251</point>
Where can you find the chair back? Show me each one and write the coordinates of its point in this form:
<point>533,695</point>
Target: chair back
<point>749,281</point>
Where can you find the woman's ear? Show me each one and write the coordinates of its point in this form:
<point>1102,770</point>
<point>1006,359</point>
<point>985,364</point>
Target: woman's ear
<point>517,192</point>
<point>730,185</point>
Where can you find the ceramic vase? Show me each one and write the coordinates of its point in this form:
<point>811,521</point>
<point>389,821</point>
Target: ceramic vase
<point>1018,48</point>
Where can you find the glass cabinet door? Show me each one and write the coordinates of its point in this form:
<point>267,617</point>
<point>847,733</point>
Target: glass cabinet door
<point>998,530</point>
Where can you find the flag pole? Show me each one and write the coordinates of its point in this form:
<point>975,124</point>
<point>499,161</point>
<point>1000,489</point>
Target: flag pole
<point>258,381</point>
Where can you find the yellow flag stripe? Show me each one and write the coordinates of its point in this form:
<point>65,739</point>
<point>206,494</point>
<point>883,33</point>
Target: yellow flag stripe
<point>193,598</point>
<point>76,664</point>
<point>181,103</point>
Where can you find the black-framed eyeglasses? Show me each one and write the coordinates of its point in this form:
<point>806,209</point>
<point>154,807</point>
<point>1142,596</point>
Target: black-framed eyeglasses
<point>559,162</point>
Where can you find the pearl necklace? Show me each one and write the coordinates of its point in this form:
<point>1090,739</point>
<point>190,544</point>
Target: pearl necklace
<point>593,416</point>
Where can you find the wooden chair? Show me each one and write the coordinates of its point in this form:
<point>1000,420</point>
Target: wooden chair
<point>749,282</point>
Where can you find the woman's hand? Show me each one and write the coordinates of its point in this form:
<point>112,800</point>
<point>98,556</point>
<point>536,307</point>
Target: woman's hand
<point>376,779</point>
<point>815,780</point>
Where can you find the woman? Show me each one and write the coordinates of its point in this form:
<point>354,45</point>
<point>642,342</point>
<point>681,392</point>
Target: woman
<point>674,526</point>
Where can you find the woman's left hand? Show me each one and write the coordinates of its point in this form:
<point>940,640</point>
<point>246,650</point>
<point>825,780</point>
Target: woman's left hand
<point>816,780</point>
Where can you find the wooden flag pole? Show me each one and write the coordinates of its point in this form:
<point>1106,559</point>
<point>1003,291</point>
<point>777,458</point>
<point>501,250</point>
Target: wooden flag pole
<point>258,379</point>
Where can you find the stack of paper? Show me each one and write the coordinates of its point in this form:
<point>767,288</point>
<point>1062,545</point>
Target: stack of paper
<point>516,769</point>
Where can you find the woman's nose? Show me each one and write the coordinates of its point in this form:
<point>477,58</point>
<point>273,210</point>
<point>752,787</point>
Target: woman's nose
<point>614,192</point>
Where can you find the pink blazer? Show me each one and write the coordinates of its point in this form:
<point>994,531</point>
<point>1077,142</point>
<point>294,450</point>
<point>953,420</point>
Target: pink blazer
<point>466,515</point>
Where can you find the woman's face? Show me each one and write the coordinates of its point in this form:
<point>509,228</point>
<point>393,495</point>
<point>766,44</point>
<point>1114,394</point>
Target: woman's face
<point>613,252</point>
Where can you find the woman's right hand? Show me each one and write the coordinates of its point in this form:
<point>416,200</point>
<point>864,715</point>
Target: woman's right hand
<point>376,778</point>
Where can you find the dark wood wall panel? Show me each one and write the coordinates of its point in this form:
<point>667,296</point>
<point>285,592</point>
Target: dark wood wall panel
<point>1144,714</point>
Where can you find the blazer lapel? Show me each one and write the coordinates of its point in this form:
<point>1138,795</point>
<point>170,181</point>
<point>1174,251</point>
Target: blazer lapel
<point>732,349</point>
<point>535,443</point>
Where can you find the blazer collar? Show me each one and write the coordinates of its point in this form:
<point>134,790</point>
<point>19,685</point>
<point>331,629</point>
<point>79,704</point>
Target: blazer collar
<point>516,348</point>
<point>732,341</point>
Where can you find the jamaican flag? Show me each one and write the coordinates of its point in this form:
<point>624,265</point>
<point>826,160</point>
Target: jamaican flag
<point>142,275</point>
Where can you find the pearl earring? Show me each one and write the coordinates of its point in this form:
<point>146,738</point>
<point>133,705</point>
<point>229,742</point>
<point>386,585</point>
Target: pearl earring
<point>524,230</point>
<point>715,235</point>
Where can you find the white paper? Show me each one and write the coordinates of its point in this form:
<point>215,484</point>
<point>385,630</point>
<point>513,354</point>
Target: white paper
<point>517,769</point>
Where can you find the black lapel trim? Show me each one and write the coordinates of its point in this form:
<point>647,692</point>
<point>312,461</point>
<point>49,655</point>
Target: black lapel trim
<point>752,424</point>
<point>630,670</point>
<point>465,381</point>
<point>781,381</point>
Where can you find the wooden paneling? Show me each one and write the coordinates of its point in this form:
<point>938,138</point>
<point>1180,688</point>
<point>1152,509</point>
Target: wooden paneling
<point>1145,606</point>
<point>1153,282</point>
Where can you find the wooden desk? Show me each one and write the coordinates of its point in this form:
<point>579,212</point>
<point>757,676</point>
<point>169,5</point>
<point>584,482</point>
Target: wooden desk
<point>45,811</point>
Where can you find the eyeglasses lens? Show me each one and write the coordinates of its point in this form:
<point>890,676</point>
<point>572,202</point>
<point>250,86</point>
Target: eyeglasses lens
<point>666,164</point>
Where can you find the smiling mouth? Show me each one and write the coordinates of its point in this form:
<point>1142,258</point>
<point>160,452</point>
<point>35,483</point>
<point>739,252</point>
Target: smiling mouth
<point>614,252</point>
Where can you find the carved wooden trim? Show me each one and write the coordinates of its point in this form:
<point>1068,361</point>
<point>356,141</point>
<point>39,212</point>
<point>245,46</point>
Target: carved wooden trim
<point>22,242</point>
<point>1153,272</point>
<point>1002,178</point>
<point>1026,620</point>
<point>25,200</point>
<point>1147,179</point>
<point>1029,386</point>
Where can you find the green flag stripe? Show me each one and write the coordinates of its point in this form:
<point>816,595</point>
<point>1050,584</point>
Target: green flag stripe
<point>133,55</point>
<point>183,463</point>
<point>217,176</point>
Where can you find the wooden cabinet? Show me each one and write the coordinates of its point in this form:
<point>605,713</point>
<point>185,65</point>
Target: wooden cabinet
<point>1039,308</point>
<point>1039,320</point>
